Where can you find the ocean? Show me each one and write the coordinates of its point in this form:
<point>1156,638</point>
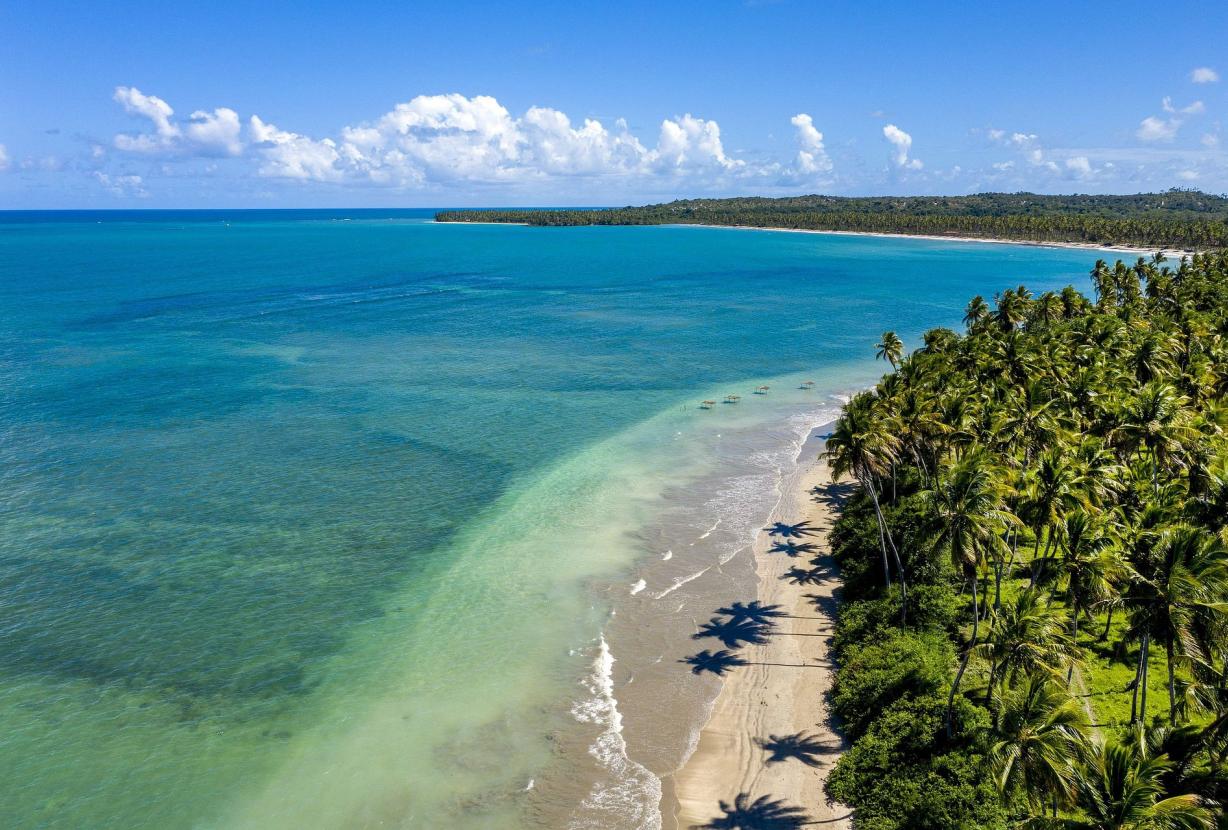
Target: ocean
<point>347,519</point>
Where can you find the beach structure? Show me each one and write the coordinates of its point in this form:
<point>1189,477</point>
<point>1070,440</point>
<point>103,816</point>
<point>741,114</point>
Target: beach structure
<point>732,398</point>
<point>707,404</point>
<point>762,390</point>
<point>809,384</point>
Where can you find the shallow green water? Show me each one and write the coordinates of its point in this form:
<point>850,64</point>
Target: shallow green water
<point>306,522</point>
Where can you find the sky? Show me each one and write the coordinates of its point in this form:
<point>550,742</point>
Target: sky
<point>436,104</point>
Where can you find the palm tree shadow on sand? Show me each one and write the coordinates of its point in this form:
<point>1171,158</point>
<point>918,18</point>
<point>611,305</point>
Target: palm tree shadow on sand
<point>802,746</point>
<point>803,576</point>
<point>735,632</point>
<point>764,813</point>
<point>718,662</point>
<point>753,610</point>
<point>789,531</point>
<point>793,549</point>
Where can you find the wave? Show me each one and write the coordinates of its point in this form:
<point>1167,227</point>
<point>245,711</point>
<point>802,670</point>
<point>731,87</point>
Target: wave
<point>633,794</point>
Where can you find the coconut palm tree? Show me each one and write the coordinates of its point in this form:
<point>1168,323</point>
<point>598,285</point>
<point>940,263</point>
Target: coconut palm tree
<point>1185,579</point>
<point>1029,638</point>
<point>1120,789</point>
<point>1041,737</point>
<point>890,349</point>
<point>968,505</point>
<point>865,443</point>
<point>976,312</point>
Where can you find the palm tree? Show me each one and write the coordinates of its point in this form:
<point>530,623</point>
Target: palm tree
<point>968,504</point>
<point>1186,580</point>
<point>890,348</point>
<point>1028,638</point>
<point>866,445</point>
<point>1120,789</point>
<point>1093,567</point>
<point>976,312</point>
<point>1041,737</point>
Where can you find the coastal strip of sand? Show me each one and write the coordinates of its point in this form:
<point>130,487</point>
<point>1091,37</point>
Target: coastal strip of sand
<point>769,734</point>
<point>1088,246</point>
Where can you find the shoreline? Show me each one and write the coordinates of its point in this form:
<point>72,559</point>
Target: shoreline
<point>1086,246</point>
<point>782,692</point>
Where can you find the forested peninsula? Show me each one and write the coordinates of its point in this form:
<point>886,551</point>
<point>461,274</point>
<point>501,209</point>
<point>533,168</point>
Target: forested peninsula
<point>1175,219</point>
<point>1034,628</point>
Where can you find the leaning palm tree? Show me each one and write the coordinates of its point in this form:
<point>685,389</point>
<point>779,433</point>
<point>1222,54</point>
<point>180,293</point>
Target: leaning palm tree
<point>976,312</point>
<point>890,349</point>
<point>1093,566</point>
<point>864,443</point>
<point>969,507</point>
<point>1121,789</point>
<point>1028,638</point>
<point>1186,580</point>
<point>1041,737</point>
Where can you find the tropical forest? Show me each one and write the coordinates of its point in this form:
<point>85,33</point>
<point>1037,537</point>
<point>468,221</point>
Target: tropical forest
<point>1034,628</point>
<point>1184,219</point>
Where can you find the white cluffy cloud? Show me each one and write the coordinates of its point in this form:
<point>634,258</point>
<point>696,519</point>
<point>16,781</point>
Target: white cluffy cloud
<point>902,142</point>
<point>1035,156</point>
<point>204,133</point>
<point>122,185</point>
<point>812,157</point>
<point>4,158</point>
<point>1153,128</point>
<point>442,139</point>
<point>1204,75</point>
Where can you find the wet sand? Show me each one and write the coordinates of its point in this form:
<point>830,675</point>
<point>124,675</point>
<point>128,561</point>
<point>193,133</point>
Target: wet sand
<point>782,690</point>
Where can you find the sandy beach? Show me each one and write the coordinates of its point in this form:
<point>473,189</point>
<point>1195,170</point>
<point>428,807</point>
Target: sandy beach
<point>781,693</point>
<point>1088,246</point>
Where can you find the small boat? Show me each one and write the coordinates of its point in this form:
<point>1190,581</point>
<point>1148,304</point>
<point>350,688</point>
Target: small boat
<point>732,398</point>
<point>762,390</point>
<point>707,404</point>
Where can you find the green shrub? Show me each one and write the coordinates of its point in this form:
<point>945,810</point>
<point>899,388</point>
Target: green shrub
<point>872,676</point>
<point>903,774</point>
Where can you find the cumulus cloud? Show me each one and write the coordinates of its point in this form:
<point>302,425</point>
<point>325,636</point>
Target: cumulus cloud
<point>4,158</point>
<point>812,157</point>
<point>122,185</point>
<point>902,142</point>
<point>1195,108</point>
<point>1153,128</point>
<point>213,133</point>
<point>1204,75</point>
<point>293,156</point>
<point>1036,158</point>
<point>1079,167</point>
<point>1157,129</point>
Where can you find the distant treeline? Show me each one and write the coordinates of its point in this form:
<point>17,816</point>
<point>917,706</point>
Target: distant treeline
<point>1174,219</point>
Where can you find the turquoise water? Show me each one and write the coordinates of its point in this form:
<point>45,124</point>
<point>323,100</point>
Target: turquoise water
<point>310,518</point>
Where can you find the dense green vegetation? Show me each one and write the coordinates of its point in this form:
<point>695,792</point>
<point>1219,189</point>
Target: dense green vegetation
<point>1034,629</point>
<point>1176,219</point>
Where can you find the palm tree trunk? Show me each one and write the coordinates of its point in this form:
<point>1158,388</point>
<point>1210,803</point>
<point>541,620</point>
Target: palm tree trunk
<point>1108,624</point>
<point>895,553</point>
<point>1074,635</point>
<point>868,484</point>
<point>1146,671</point>
<point>963,664</point>
<point>1138,679</point>
<point>1172,686</point>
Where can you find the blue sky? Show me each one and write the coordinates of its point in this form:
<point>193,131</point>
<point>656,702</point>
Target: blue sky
<point>427,104</point>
